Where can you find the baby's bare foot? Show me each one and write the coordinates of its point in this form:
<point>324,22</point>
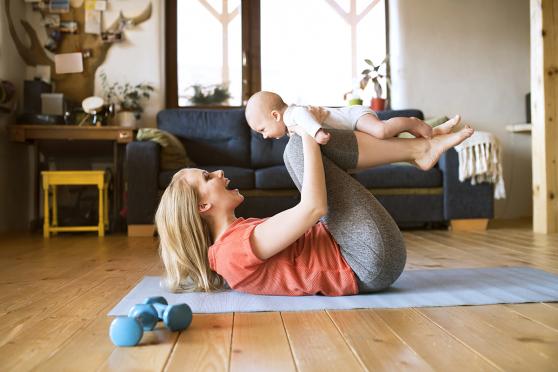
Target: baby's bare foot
<point>440,144</point>
<point>446,127</point>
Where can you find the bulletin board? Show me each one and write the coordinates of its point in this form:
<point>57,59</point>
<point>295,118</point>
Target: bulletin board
<point>76,39</point>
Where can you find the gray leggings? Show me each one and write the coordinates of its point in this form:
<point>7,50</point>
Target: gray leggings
<point>367,235</point>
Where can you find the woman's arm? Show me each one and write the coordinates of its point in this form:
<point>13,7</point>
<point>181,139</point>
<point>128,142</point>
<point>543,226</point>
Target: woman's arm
<point>280,231</point>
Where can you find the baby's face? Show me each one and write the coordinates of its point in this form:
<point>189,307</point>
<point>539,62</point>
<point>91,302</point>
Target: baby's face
<point>271,128</point>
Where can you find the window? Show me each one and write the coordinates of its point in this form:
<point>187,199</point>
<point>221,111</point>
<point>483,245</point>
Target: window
<point>209,53</point>
<point>309,51</point>
<point>319,52</point>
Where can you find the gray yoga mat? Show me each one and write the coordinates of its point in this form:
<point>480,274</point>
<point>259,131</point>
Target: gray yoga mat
<point>415,288</point>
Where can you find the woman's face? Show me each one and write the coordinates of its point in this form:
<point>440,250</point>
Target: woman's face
<point>212,189</point>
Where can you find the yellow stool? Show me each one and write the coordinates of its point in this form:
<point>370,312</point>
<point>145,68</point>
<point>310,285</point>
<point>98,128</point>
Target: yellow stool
<point>58,178</point>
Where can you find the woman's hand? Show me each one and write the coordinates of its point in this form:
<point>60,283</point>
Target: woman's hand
<point>319,113</point>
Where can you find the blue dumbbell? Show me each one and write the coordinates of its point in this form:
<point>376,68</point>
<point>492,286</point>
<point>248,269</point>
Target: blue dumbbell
<point>128,331</point>
<point>125,331</point>
<point>145,314</point>
<point>176,317</point>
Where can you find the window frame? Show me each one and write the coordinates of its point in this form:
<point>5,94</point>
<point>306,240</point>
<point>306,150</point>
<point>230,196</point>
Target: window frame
<point>251,52</point>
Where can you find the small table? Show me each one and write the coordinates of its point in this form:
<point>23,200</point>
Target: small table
<point>37,134</point>
<point>53,179</point>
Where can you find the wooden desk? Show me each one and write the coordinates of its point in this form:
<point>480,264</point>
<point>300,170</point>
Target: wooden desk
<point>24,133</point>
<point>118,136</point>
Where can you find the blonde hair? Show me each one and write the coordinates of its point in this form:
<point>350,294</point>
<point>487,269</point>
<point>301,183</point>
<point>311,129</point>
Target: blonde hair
<point>184,240</point>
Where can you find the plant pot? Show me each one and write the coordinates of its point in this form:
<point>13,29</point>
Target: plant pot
<point>378,104</point>
<point>355,102</point>
<point>126,119</point>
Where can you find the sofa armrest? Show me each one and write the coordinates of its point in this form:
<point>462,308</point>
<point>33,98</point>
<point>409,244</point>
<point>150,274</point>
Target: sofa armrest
<point>142,165</point>
<point>461,199</point>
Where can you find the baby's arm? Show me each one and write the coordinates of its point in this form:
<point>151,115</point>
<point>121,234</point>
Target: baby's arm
<point>304,118</point>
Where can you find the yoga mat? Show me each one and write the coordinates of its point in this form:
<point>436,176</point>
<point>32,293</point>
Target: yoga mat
<point>415,288</point>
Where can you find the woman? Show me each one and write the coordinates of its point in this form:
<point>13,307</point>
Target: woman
<point>338,240</point>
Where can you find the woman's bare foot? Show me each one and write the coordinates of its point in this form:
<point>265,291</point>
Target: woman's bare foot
<point>436,146</point>
<point>446,127</point>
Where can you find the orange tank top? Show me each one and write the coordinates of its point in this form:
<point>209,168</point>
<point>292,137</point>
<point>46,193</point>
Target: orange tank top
<point>313,264</point>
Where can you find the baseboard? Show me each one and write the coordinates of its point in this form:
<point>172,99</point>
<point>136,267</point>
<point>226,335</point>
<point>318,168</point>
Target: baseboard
<point>141,230</point>
<point>473,224</point>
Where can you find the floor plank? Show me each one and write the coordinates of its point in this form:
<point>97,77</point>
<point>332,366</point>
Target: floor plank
<point>260,343</point>
<point>55,294</point>
<point>537,312</point>
<point>377,346</point>
<point>438,348</point>
<point>316,343</point>
<point>508,340</point>
<point>204,346</point>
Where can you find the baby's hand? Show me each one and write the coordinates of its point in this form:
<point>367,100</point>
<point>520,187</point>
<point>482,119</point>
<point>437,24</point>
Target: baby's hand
<point>322,137</point>
<point>319,113</point>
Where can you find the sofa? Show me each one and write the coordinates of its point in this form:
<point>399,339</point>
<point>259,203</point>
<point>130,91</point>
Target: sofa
<point>221,139</point>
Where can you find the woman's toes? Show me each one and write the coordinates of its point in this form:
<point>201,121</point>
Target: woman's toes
<point>446,127</point>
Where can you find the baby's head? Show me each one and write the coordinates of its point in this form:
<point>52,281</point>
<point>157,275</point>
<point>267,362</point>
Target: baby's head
<point>264,113</point>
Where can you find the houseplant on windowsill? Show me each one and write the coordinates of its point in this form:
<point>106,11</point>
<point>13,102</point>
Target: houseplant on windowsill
<point>217,94</point>
<point>373,75</point>
<point>129,99</point>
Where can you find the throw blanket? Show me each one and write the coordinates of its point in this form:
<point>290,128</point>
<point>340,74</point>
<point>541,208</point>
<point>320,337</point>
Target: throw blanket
<point>480,159</point>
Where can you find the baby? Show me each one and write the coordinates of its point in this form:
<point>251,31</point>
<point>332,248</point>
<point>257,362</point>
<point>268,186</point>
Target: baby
<point>268,114</point>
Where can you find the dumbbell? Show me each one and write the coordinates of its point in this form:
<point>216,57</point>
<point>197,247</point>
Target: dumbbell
<point>176,317</point>
<point>125,331</point>
<point>128,330</point>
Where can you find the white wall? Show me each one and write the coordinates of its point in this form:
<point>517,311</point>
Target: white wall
<point>15,182</point>
<point>141,57</point>
<point>469,57</point>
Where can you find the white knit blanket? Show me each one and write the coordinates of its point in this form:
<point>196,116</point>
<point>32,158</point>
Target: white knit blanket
<point>480,159</point>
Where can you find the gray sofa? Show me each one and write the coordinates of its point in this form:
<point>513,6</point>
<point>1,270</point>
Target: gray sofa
<point>221,139</point>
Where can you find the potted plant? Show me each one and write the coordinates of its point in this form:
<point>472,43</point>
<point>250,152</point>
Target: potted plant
<point>129,99</point>
<point>372,74</point>
<point>216,94</point>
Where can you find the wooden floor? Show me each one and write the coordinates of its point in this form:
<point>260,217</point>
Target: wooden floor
<point>55,294</point>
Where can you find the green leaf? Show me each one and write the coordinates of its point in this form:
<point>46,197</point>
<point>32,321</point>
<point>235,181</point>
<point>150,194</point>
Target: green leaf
<point>365,72</point>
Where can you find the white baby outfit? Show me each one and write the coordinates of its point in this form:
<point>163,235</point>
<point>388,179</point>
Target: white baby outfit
<point>338,118</point>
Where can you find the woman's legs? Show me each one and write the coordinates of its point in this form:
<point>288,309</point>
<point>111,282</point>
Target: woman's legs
<point>369,239</point>
<point>422,152</point>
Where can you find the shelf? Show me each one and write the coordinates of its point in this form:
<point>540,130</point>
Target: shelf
<point>520,128</point>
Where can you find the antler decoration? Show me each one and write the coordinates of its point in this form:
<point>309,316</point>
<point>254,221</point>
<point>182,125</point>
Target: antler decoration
<point>35,54</point>
<point>77,86</point>
<point>124,21</point>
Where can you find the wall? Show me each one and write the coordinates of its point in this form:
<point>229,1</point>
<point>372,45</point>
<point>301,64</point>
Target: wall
<point>139,58</point>
<point>469,57</point>
<point>15,170</point>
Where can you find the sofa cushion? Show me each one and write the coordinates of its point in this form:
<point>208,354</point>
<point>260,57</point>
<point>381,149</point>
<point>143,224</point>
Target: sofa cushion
<point>276,177</point>
<point>212,137</point>
<point>241,178</point>
<point>388,114</point>
<point>395,176</point>
<point>266,152</point>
